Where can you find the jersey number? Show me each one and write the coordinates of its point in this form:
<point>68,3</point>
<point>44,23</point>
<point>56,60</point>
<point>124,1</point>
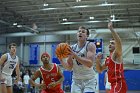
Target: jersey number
<point>78,63</point>
<point>52,79</point>
<point>11,66</point>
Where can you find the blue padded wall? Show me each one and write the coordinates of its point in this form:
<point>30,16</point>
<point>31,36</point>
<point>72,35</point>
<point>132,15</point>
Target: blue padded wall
<point>54,58</point>
<point>132,78</point>
<point>67,80</point>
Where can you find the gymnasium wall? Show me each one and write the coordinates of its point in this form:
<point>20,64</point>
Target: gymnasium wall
<point>46,41</point>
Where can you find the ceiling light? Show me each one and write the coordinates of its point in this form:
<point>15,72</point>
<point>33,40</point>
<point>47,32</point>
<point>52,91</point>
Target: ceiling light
<point>80,6</point>
<point>106,4</point>
<point>45,4</point>
<point>65,19</point>
<point>91,17</point>
<point>14,24</point>
<point>112,17</point>
<point>66,23</point>
<point>93,21</point>
<point>117,20</point>
<point>50,8</point>
<point>19,25</point>
<point>78,0</point>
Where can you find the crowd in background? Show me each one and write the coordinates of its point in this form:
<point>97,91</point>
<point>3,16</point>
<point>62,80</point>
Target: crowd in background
<point>23,85</point>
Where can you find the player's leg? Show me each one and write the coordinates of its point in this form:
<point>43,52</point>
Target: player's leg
<point>9,89</point>
<point>119,87</point>
<point>107,87</point>
<point>3,88</point>
<point>3,84</point>
<point>90,85</point>
<point>107,90</point>
<point>76,87</point>
<point>9,84</point>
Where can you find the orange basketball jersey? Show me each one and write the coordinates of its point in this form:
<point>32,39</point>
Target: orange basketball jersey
<point>50,76</point>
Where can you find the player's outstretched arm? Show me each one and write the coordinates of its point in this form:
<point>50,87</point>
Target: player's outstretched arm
<point>118,44</point>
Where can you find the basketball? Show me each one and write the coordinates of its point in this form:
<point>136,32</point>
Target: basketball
<point>62,50</point>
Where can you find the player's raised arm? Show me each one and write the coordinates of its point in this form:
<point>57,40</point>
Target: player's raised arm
<point>118,44</point>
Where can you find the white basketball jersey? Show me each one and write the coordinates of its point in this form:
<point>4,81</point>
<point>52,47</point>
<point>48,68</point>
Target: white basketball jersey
<point>9,65</point>
<point>80,71</point>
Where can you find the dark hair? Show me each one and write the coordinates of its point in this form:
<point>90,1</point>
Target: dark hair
<point>12,44</point>
<point>82,27</point>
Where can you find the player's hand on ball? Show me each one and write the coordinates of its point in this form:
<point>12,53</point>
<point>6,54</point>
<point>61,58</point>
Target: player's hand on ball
<point>62,50</point>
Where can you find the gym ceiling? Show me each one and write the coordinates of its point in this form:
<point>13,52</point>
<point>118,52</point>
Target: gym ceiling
<point>39,16</point>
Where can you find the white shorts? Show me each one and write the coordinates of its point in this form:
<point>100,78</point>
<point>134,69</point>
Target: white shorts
<point>107,85</point>
<point>8,79</point>
<point>82,86</point>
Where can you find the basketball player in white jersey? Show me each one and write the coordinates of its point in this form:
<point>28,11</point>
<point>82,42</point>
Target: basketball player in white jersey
<point>81,60</point>
<point>8,62</point>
